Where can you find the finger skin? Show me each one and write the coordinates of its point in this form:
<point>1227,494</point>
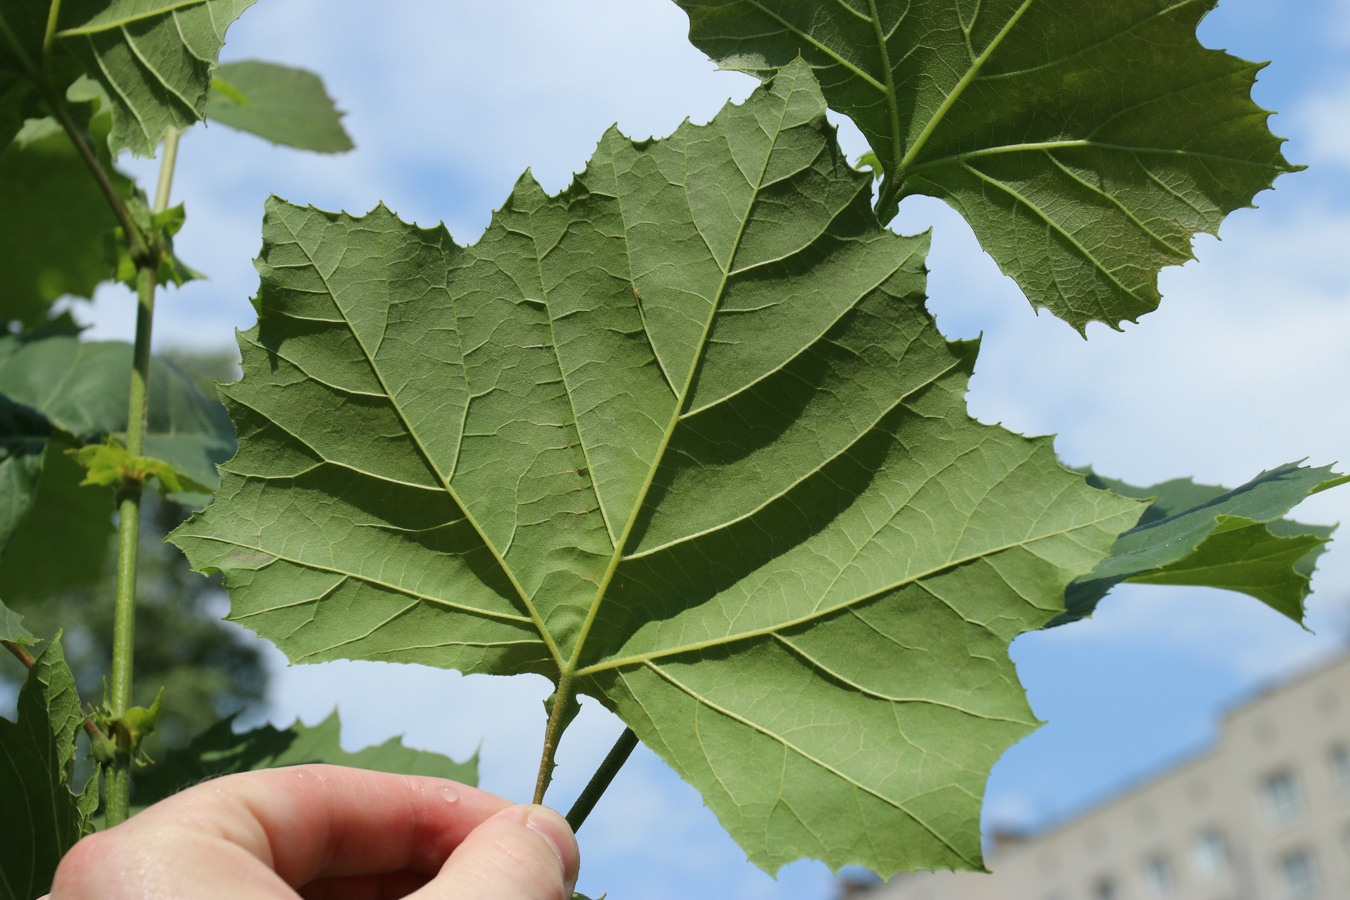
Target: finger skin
<point>264,834</point>
<point>524,853</point>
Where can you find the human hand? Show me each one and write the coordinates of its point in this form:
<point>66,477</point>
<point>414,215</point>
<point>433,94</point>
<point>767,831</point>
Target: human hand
<point>326,833</point>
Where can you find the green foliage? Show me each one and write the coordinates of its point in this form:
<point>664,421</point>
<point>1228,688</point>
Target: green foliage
<point>153,57</point>
<point>110,465</point>
<point>11,627</point>
<point>57,393</point>
<point>279,104</point>
<point>683,438</point>
<point>207,668</point>
<point>61,541</point>
<point>43,816</point>
<point>1085,142</point>
<point>220,751</point>
<point>1196,534</point>
<point>54,224</point>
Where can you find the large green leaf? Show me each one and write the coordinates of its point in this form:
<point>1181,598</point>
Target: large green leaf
<point>55,225</point>
<point>279,104</point>
<point>1085,141</point>
<point>683,438</point>
<point>1203,535</point>
<point>43,817</point>
<point>219,751</point>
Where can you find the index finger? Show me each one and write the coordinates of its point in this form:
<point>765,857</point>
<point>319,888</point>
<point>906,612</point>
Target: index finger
<point>259,834</point>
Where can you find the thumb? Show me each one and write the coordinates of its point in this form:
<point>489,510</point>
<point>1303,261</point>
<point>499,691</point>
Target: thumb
<point>524,852</point>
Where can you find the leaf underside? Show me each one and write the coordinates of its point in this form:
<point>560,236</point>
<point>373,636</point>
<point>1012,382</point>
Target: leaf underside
<point>42,818</point>
<point>683,438</point>
<point>220,751</point>
<point>1207,536</point>
<point>1085,142</point>
<point>153,57</point>
<point>279,104</point>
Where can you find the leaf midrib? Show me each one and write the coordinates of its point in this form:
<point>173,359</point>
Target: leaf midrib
<point>677,410</point>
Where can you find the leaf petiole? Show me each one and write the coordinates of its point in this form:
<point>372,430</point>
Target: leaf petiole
<point>600,781</point>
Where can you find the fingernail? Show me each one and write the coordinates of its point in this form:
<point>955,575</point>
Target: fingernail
<point>554,829</point>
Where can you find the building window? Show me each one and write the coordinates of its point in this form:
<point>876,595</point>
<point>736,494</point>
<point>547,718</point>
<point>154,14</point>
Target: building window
<point>1159,876</point>
<point>1298,872</point>
<point>1211,854</point>
<point>1340,767</point>
<point>1281,797</point>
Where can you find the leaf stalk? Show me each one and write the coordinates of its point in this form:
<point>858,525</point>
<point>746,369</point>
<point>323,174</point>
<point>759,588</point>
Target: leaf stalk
<point>552,735</point>
<point>600,781</point>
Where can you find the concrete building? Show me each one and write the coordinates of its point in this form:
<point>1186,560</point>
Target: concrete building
<point>1263,815</point>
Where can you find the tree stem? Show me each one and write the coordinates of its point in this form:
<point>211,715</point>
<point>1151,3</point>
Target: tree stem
<point>118,795</point>
<point>600,781</point>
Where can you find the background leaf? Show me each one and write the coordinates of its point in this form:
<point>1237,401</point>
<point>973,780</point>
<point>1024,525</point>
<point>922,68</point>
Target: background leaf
<point>11,627</point>
<point>62,543</point>
<point>81,387</point>
<point>57,393</point>
<point>279,104</point>
<point>1085,142</point>
<point>683,437</point>
<point>55,225</point>
<point>219,751</point>
<point>1202,535</point>
<point>43,816</point>
<point>153,57</point>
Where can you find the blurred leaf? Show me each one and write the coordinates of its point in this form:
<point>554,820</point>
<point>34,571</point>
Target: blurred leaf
<point>1085,141</point>
<point>11,627</point>
<point>22,23</point>
<point>43,816</point>
<point>57,393</point>
<point>63,542</point>
<point>55,224</point>
<point>162,226</point>
<point>185,428</point>
<point>110,465</point>
<point>278,104</point>
<point>1202,535</point>
<point>220,751</point>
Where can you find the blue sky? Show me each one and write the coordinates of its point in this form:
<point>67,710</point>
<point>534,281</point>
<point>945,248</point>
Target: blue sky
<point>1245,367</point>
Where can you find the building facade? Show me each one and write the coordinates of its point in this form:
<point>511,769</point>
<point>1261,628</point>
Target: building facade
<point>1263,815</point>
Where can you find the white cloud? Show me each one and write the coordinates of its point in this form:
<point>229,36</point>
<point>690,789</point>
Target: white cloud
<point>1324,118</point>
